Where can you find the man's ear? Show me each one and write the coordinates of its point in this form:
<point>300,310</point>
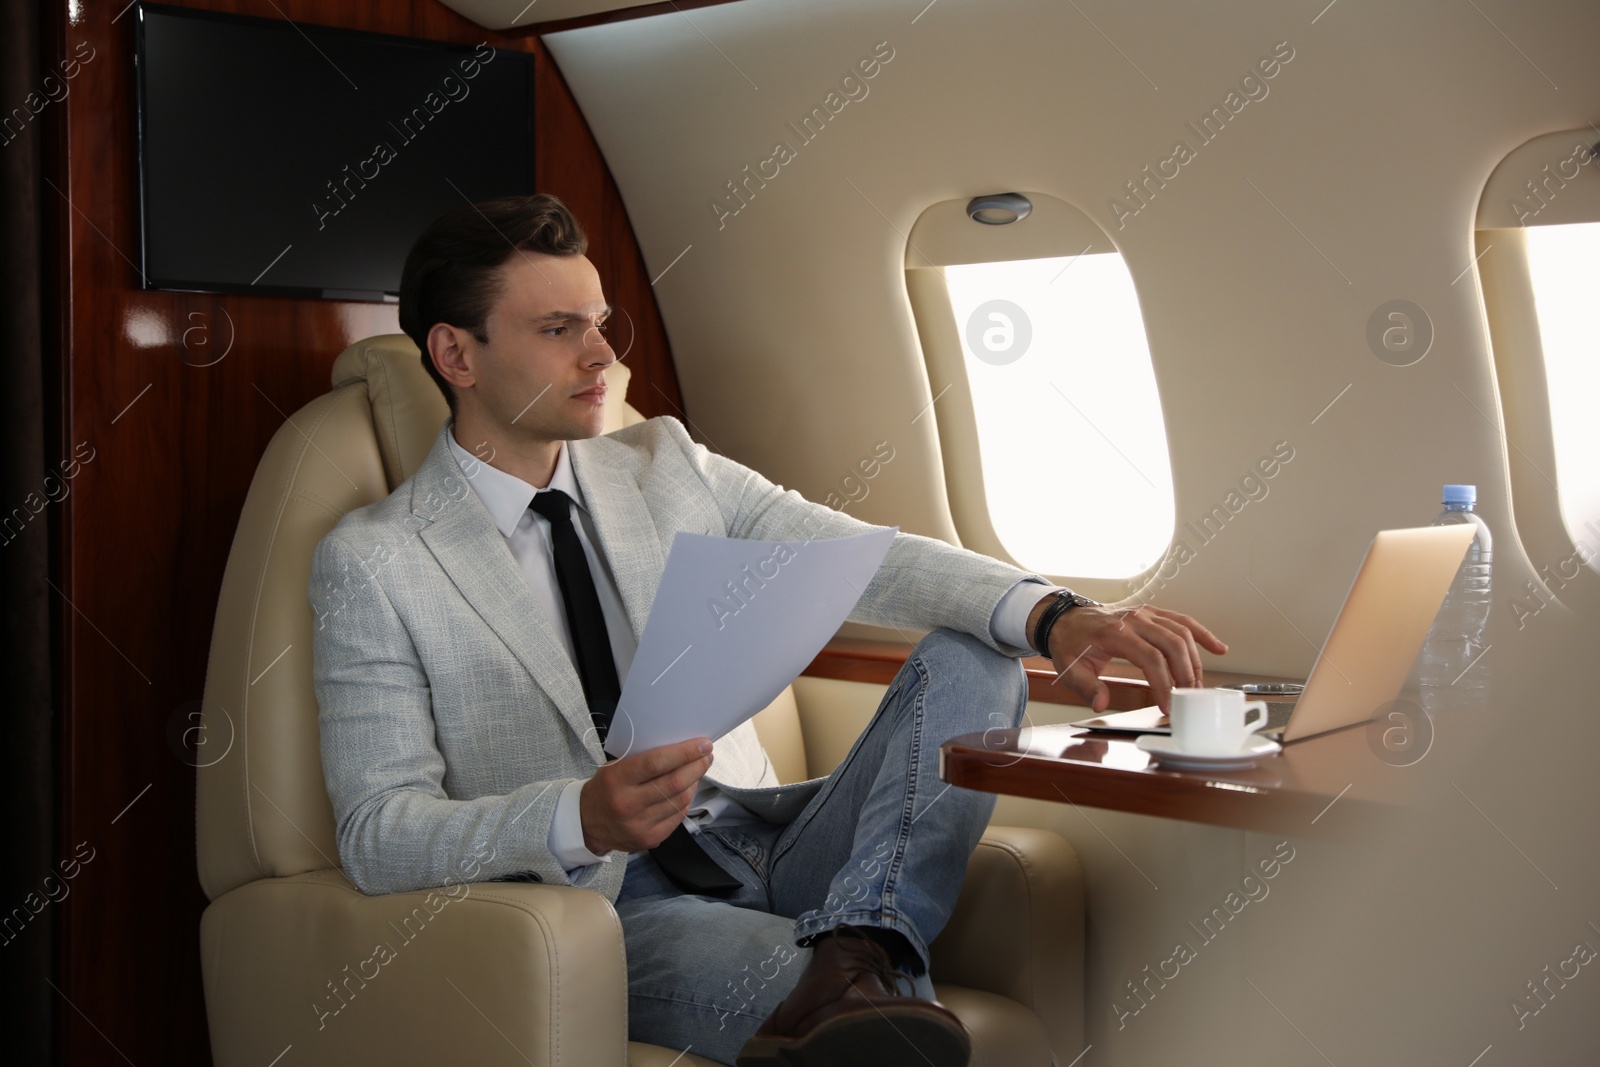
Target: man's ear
<point>451,351</point>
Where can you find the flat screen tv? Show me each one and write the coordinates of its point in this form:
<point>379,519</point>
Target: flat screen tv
<point>279,157</point>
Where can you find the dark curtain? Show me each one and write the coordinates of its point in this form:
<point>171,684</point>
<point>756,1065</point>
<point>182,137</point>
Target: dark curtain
<point>26,675</point>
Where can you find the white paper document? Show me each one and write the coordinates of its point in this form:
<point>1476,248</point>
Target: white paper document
<point>733,623</point>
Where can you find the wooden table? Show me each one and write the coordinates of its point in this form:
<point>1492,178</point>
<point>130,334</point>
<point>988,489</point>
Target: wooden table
<point>1314,787</point>
<point>1319,786</point>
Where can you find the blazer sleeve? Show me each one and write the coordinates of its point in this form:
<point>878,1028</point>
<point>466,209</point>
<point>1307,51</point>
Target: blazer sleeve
<point>397,829</point>
<point>923,582</point>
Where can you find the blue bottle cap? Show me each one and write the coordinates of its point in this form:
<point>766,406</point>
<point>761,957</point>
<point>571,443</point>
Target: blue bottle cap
<point>1460,494</point>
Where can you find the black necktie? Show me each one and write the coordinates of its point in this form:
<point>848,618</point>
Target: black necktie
<point>680,856</point>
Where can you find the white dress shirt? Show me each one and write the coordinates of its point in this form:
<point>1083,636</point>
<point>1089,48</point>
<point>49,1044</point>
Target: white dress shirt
<point>507,497</point>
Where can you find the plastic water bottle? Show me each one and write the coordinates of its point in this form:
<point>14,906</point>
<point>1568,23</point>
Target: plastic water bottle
<point>1454,674</point>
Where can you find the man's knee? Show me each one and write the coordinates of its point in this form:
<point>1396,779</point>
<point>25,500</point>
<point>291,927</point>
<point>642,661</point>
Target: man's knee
<point>968,659</point>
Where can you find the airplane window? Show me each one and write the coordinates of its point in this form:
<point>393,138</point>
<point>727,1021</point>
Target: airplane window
<point>1071,439</point>
<point>1564,268</point>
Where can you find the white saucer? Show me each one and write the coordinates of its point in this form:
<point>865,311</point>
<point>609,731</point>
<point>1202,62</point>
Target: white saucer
<point>1166,750</point>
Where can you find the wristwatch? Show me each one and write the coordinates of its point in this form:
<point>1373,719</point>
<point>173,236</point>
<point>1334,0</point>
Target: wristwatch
<point>1065,600</point>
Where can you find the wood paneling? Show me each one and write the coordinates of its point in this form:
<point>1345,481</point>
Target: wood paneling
<point>666,7</point>
<point>857,660</point>
<point>172,445</point>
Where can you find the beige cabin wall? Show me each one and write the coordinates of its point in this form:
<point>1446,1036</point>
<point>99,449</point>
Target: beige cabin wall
<point>1355,181</point>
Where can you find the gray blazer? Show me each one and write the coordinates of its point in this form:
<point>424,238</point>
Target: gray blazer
<point>450,716</point>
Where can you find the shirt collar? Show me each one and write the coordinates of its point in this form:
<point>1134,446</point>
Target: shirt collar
<point>505,496</point>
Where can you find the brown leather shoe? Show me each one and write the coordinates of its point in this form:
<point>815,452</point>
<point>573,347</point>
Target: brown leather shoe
<point>846,1011</point>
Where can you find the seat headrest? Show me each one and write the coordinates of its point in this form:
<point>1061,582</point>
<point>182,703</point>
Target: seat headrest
<point>262,806</point>
<point>408,409</point>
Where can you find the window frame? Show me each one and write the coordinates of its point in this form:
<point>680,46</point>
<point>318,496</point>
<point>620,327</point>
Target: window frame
<point>944,236</point>
<point>1508,206</point>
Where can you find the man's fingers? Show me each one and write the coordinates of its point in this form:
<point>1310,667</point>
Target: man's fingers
<point>1183,655</point>
<point>643,803</point>
<point>1131,646</point>
<point>653,763</point>
<point>1206,639</point>
<point>1082,679</point>
<point>1169,648</point>
<point>666,812</point>
<point>1163,644</point>
<point>676,787</point>
<point>679,779</point>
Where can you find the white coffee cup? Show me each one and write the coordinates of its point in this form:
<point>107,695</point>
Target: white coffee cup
<point>1214,722</point>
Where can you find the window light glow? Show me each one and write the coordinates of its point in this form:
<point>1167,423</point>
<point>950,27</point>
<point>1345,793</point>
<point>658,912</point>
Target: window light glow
<point>1071,438</point>
<point>1564,265</point>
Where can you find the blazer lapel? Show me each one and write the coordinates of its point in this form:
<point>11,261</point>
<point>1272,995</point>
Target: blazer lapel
<point>606,472</point>
<point>464,539</point>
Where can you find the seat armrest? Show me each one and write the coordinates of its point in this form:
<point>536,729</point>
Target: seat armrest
<point>1018,930</point>
<point>485,973</point>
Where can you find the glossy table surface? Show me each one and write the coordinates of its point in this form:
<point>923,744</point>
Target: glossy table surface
<point>1316,786</point>
<point>1312,787</point>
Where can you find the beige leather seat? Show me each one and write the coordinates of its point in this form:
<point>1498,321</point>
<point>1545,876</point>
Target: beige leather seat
<point>293,955</point>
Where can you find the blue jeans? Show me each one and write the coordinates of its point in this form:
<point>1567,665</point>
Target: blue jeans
<point>884,843</point>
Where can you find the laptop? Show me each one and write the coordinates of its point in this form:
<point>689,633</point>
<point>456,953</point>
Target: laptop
<point>1363,664</point>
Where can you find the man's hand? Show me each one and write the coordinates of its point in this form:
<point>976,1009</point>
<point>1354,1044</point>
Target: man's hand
<point>633,803</point>
<point>1164,644</point>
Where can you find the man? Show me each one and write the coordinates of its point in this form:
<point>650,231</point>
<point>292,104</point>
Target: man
<point>471,673</point>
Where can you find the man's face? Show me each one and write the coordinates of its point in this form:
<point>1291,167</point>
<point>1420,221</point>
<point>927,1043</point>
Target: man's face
<point>542,374</point>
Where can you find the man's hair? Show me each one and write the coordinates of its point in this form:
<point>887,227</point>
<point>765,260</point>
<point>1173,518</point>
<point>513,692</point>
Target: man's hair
<point>452,274</point>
